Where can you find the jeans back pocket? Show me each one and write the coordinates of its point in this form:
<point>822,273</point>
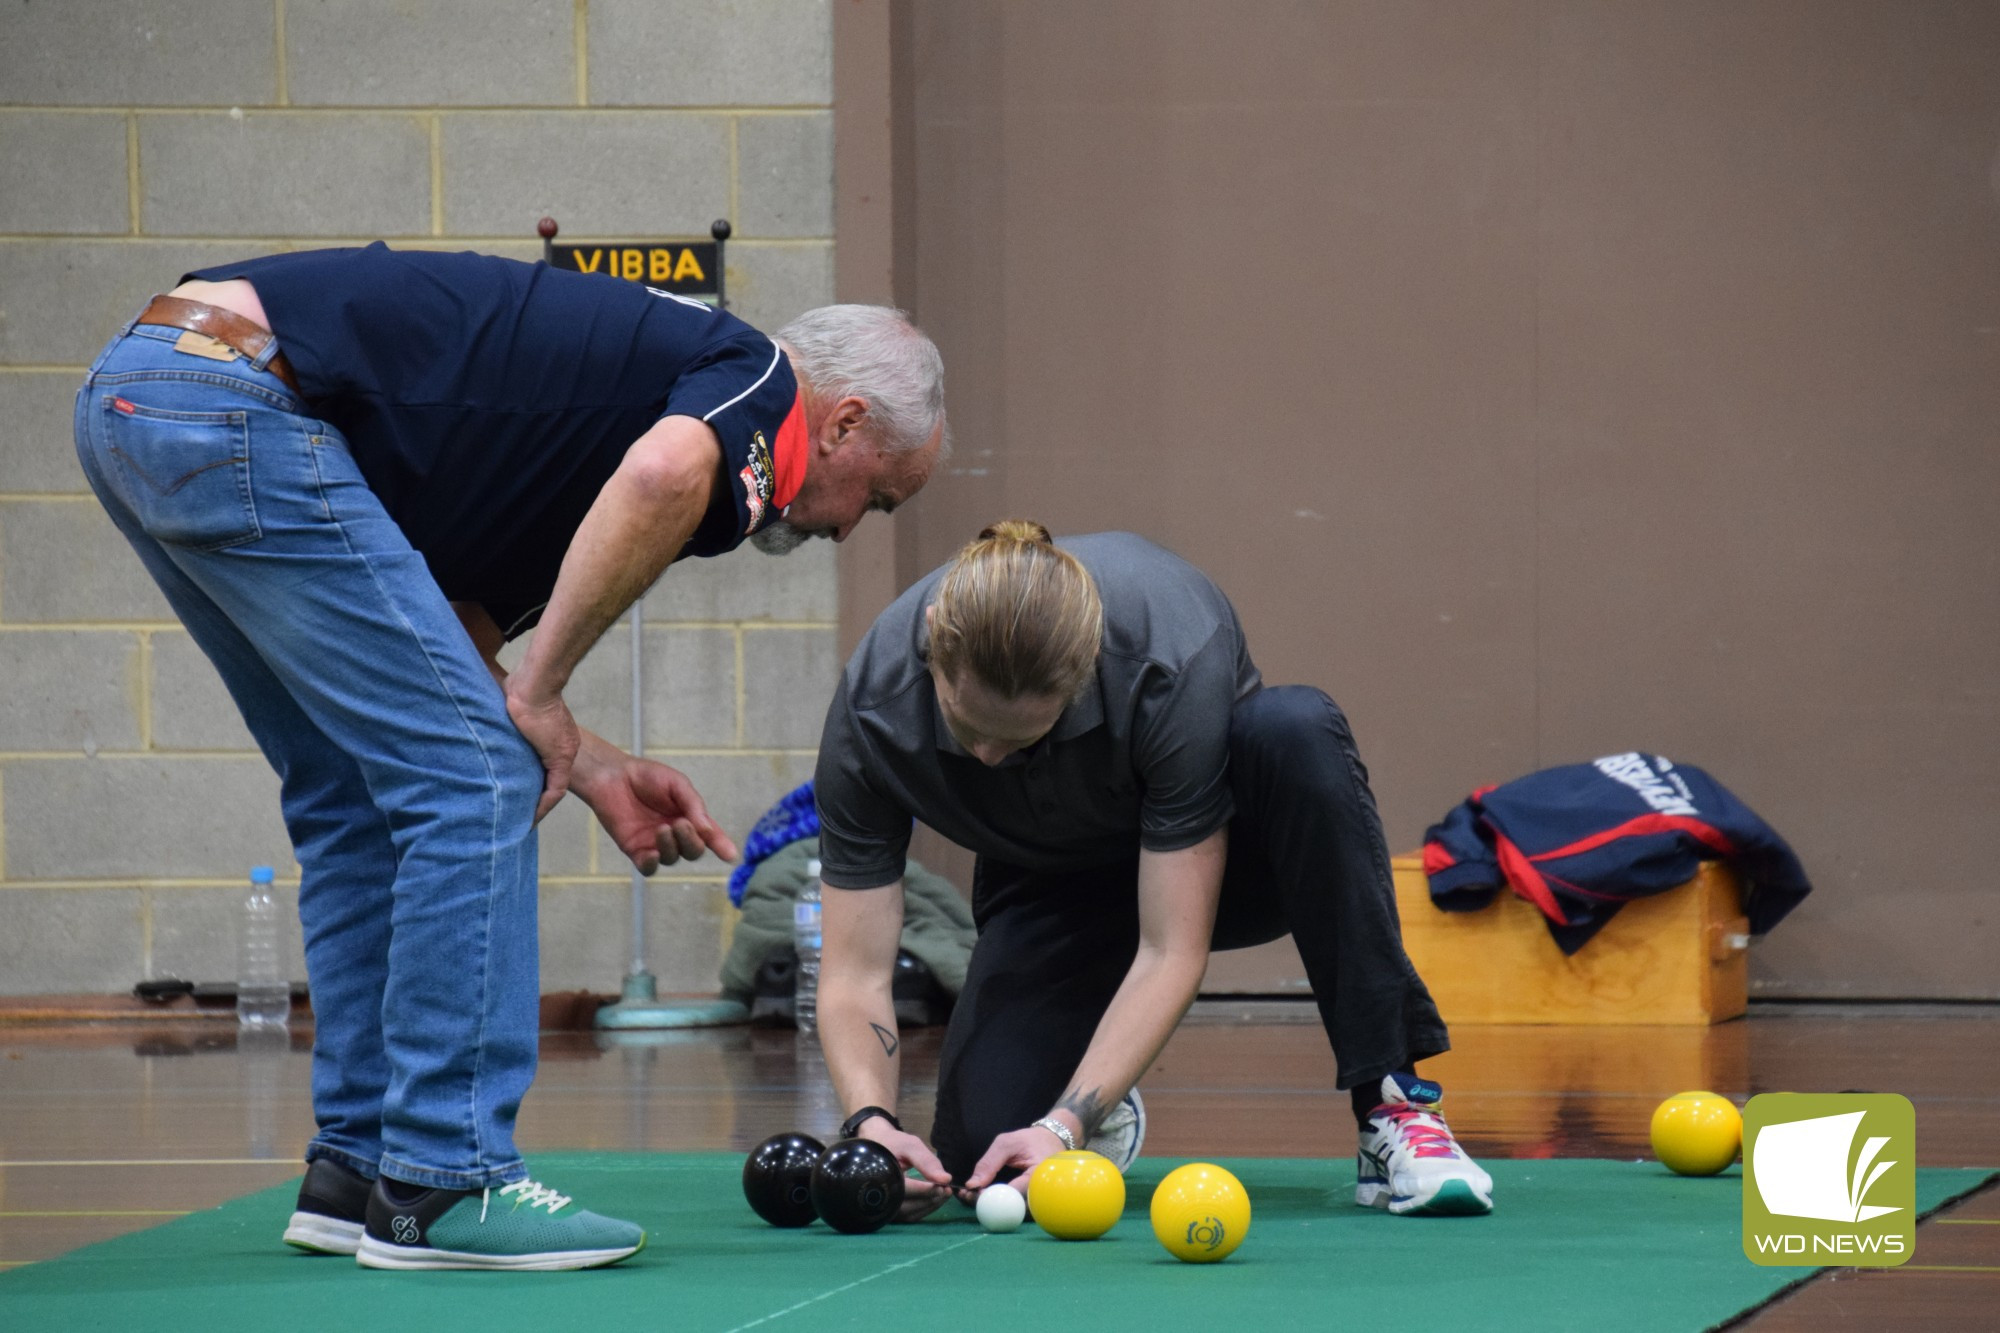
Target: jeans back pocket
<point>186,475</point>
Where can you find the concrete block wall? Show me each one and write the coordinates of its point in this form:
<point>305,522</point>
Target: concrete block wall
<point>142,138</point>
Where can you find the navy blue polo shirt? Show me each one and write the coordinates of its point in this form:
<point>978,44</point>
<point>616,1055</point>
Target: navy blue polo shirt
<point>487,401</point>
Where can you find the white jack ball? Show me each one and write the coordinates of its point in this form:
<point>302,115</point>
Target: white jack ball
<point>1001,1208</point>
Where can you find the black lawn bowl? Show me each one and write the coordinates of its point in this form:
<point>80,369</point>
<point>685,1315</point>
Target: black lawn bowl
<point>857,1186</point>
<point>777,1179</point>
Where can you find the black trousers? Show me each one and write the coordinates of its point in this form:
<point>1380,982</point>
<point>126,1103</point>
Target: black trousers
<point>1306,858</point>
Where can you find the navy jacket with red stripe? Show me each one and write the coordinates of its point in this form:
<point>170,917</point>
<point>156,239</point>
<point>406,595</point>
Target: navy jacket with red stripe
<point>1581,841</point>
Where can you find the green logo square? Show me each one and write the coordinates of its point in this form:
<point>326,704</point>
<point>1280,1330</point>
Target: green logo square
<point>1830,1179</point>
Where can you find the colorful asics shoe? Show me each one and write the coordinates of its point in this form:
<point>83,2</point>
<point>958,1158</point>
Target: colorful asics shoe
<point>1410,1164</point>
<point>1122,1132</point>
<point>333,1204</point>
<point>522,1226</point>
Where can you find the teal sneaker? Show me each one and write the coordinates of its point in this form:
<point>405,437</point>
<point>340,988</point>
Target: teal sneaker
<point>524,1226</point>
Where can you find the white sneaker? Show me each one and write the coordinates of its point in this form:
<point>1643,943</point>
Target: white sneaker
<point>1410,1164</point>
<point>1122,1132</point>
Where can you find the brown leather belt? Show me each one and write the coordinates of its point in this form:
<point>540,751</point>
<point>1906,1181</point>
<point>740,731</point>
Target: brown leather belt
<point>240,335</point>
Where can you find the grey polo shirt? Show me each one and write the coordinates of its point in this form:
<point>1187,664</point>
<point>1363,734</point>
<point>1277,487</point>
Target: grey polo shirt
<point>1140,759</point>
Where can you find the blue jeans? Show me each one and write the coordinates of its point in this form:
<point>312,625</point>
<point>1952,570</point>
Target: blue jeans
<point>408,793</point>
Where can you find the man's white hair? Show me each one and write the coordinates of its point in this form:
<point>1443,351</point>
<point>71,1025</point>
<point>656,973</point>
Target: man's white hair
<point>876,353</point>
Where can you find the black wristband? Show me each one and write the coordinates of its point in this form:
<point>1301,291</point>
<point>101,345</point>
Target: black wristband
<point>852,1125</point>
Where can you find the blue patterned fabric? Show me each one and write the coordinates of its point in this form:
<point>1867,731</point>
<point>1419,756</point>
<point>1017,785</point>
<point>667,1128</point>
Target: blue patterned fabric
<point>792,818</point>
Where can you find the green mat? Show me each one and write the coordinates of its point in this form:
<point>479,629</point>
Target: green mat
<point>1572,1244</point>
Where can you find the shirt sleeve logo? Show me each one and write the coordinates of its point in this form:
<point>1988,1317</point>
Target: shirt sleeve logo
<point>759,482</point>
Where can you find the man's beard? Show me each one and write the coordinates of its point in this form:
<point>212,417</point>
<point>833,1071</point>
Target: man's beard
<point>781,538</point>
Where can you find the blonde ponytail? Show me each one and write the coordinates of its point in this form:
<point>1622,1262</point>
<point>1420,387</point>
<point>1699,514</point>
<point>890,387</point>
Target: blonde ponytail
<point>1019,613</point>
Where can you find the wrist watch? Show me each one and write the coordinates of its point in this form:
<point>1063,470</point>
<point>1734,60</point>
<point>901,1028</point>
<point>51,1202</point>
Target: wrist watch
<point>852,1125</point>
<point>1059,1129</point>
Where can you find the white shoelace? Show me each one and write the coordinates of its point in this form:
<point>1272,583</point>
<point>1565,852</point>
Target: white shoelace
<point>532,1194</point>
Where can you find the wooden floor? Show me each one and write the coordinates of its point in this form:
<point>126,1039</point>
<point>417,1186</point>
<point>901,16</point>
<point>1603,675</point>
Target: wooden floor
<point>106,1128</point>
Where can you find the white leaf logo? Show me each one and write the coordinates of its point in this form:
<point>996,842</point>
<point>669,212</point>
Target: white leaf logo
<point>1801,1169</point>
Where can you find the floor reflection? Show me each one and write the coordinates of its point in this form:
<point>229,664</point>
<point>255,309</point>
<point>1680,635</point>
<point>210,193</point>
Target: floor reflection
<point>1259,1088</point>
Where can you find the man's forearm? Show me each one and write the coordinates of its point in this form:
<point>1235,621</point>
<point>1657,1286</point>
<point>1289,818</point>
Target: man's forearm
<point>637,525</point>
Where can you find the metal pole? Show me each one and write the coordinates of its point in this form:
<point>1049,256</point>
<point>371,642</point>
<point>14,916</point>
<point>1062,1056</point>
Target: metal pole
<point>638,749</point>
<point>720,230</point>
<point>640,1007</point>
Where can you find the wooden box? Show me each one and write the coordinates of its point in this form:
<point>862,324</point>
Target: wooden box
<point>1677,957</point>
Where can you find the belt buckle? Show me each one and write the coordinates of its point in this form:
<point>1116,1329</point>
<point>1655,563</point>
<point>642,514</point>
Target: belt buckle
<point>201,344</point>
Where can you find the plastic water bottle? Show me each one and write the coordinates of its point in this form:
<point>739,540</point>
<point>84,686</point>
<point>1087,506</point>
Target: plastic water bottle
<point>805,940</point>
<point>263,996</point>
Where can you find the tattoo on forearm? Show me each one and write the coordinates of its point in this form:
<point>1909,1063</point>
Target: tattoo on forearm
<point>1087,1107</point>
<point>887,1038</point>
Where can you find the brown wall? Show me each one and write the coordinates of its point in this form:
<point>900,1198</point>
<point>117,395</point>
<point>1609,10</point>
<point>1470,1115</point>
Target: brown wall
<point>1541,379</point>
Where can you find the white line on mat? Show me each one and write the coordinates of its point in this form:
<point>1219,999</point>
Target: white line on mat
<point>814,1300</point>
